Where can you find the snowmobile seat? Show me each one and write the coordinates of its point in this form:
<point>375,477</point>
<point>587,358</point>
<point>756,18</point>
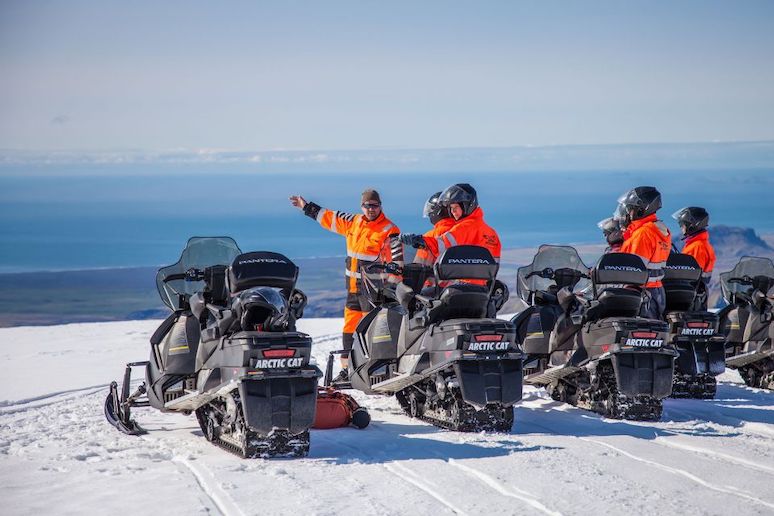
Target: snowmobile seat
<point>615,302</point>
<point>679,295</point>
<point>460,301</point>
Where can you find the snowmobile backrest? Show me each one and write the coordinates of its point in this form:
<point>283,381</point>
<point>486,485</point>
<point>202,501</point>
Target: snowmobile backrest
<point>262,269</point>
<point>621,269</point>
<point>681,280</point>
<point>681,267</point>
<point>466,262</point>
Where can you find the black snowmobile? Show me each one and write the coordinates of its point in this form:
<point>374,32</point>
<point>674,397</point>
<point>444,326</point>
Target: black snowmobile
<point>552,269</point>
<point>746,321</point>
<point>440,350</point>
<point>694,333</point>
<point>228,352</point>
<point>603,356</point>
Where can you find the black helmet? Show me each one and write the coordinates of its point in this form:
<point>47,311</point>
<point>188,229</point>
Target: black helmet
<point>462,194</point>
<point>692,219</point>
<point>637,203</point>
<point>434,210</point>
<point>262,309</point>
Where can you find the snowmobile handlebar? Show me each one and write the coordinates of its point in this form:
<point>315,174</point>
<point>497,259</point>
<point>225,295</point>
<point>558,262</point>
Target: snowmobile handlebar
<point>191,274</point>
<point>389,268</point>
<point>549,273</point>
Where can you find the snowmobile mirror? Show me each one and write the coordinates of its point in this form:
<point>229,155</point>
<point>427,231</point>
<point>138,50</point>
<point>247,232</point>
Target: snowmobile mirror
<point>298,301</point>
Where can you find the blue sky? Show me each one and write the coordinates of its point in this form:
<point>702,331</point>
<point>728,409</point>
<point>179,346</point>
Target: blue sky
<point>166,75</point>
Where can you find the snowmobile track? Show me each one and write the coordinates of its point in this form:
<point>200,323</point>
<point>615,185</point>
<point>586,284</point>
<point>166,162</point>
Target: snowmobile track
<point>15,407</point>
<point>713,454</point>
<point>412,478</point>
<point>522,495</point>
<point>210,487</point>
<point>680,472</point>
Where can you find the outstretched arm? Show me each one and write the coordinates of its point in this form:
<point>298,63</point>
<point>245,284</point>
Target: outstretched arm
<point>335,221</point>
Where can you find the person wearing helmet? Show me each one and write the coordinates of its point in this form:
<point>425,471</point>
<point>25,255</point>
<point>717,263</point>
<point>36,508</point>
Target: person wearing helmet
<point>647,237</point>
<point>365,235</point>
<point>441,221</point>
<point>469,226</point>
<point>693,221</point>
<point>611,229</point>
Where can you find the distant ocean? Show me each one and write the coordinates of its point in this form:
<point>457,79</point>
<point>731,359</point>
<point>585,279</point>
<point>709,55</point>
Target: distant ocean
<point>121,219</point>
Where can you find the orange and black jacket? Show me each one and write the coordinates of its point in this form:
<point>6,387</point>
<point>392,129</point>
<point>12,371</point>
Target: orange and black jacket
<point>425,256</point>
<point>365,239</point>
<point>471,230</point>
<point>700,248</point>
<point>649,239</point>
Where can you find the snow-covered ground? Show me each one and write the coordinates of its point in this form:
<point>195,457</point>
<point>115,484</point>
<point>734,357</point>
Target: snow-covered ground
<point>59,456</point>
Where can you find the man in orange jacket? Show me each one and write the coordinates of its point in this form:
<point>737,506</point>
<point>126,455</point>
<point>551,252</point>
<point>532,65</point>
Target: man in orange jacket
<point>469,227</point>
<point>693,222</point>
<point>365,235</point>
<point>441,221</point>
<point>647,237</point>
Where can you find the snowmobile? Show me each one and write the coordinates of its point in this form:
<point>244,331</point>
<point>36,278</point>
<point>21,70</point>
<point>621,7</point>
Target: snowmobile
<point>440,350</point>
<point>746,321</point>
<point>602,355</point>
<point>694,333</point>
<point>552,269</point>
<point>228,352</point>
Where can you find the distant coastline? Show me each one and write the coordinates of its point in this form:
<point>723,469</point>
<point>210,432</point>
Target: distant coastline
<point>129,293</point>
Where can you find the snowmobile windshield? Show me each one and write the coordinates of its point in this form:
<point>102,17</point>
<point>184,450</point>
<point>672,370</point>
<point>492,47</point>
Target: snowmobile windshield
<point>199,253</point>
<point>748,268</point>
<point>548,259</point>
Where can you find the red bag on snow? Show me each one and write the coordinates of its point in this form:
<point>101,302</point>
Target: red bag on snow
<point>336,409</point>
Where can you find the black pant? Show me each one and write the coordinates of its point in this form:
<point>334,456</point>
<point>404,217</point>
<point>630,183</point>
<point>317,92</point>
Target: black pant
<point>654,307</point>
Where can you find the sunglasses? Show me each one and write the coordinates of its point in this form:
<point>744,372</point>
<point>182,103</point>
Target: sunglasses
<point>370,206</point>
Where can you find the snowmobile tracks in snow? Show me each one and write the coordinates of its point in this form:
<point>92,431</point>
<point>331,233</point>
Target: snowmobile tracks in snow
<point>411,477</point>
<point>683,473</point>
<point>52,398</point>
<point>713,454</point>
<point>519,494</point>
<point>209,485</point>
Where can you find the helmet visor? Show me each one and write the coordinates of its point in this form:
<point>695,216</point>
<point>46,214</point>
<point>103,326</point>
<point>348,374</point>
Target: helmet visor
<point>619,214</point>
<point>428,208</point>
<point>681,215</point>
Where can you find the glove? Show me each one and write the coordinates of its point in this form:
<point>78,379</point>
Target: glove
<point>415,241</point>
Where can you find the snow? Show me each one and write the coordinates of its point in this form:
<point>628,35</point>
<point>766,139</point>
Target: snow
<point>59,456</point>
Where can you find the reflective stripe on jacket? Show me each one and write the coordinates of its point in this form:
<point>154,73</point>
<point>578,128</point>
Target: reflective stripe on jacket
<point>700,248</point>
<point>425,256</point>
<point>649,239</point>
<point>365,240</point>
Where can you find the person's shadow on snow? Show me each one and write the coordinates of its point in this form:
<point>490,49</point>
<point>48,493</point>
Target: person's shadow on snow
<point>733,407</point>
<point>383,442</point>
